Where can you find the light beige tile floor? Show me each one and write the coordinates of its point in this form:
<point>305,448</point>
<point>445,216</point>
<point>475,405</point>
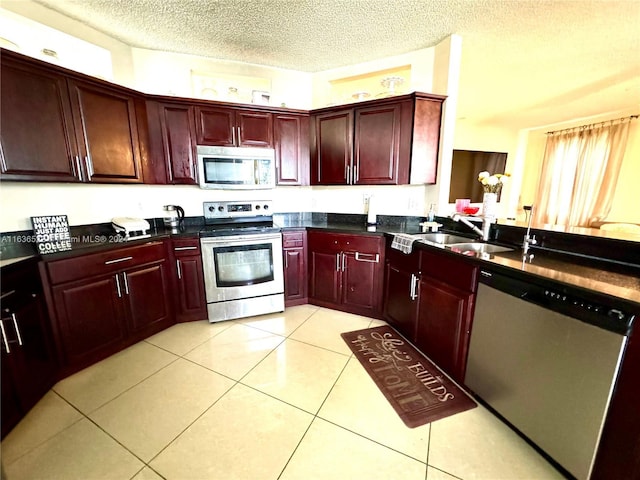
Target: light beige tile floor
<point>272,397</point>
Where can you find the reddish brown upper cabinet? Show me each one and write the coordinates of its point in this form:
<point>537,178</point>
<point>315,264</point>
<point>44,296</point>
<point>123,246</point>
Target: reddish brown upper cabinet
<point>393,141</point>
<point>291,141</point>
<point>332,147</point>
<point>231,127</point>
<point>294,250</point>
<point>346,271</point>
<point>106,133</point>
<point>172,138</point>
<point>191,302</point>
<point>37,136</point>
<point>103,302</point>
<point>56,127</point>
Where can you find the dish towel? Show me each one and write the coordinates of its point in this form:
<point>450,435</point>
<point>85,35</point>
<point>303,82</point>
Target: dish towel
<point>403,242</point>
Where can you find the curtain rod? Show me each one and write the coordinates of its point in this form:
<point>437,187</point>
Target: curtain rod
<point>591,125</point>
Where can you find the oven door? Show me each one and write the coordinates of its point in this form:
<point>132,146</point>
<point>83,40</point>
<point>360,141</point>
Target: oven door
<point>242,266</point>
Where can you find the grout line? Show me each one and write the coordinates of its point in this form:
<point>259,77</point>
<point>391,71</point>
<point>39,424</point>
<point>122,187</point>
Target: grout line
<point>55,434</point>
<point>445,472</point>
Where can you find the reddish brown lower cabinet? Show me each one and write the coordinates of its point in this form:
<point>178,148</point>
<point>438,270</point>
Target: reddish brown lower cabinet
<point>29,364</point>
<point>103,302</point>
<point>400,305</point>
<point>294,244</point>
<point>346,272</point>
<point>191,302</point>
<point>446,297</point>
<point>444,325</point>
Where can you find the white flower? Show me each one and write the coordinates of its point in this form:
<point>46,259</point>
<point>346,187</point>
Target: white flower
<point>493,180</point>
<point>482,175</point>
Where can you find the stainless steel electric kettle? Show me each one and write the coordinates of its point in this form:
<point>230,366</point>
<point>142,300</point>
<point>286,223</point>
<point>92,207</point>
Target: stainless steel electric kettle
<point>173,216</point>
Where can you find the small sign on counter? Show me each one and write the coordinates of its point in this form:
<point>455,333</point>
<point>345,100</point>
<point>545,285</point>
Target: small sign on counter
<point>52,233</point>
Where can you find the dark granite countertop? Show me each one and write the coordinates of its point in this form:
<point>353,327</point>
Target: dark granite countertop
<point>590,276</point>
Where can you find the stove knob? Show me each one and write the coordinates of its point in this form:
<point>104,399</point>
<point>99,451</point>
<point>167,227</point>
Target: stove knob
<point>211,209</point>
<point>220,208</point>
<point>257,207</point>
<point>266,207</point>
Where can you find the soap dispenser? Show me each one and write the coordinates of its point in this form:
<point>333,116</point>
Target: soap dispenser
<point>431,215</point>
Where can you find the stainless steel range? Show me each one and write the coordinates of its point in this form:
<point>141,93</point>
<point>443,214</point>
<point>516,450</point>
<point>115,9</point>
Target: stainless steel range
<point>242,260</point>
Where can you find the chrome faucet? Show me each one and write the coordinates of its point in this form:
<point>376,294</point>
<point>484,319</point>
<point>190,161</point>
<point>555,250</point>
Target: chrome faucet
<point>528,239</point>
<point>486,225</point>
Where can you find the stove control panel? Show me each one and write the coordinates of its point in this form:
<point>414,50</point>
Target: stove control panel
<point>237,209</point>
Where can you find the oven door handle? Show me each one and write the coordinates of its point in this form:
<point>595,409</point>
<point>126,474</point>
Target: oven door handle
<point>232,240</point>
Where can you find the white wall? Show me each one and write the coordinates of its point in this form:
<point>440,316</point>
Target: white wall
<point>85,204</point>
<point>166,73</point>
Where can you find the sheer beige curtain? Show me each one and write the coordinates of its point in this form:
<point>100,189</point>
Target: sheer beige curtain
<point>579,173</point>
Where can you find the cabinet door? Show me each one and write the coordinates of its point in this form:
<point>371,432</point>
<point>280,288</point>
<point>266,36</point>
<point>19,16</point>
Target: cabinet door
<point>377,145</point>
<point>362,275</point>
<point>400,308</point>
<point>90,319</point>
<point>37,135</point>
<point>324,276</point>
<point>9,405</point>
<point>255,129</point>
<point>33,360</point>
<point>192,302</point>
<point>291,140</point>
<point>146,290</point>
<point>107,133</point>
<point>178,139</point>
<point>215,126</point>
<point>294,274</point>
<point>444,322</point>
<point>332,148</point>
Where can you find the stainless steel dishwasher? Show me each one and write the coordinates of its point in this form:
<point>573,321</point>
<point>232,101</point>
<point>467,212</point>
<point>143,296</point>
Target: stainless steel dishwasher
<point>547,361</point>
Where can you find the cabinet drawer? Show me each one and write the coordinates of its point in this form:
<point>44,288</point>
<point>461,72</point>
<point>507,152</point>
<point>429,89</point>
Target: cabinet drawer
<point>184,247</point>
<point>293,239</point>
<point>456,273</point>
<point>66,270</point>
<point>345,242</point>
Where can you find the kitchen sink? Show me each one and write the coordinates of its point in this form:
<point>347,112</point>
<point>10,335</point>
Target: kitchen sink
<point>477,247</point>
<point>440,238</point>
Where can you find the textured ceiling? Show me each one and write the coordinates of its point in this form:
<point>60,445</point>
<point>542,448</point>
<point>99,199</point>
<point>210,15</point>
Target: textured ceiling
<point>521,58</point>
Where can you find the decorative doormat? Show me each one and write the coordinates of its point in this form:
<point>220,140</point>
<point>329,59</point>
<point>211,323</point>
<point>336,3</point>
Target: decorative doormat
<point>418,391</point>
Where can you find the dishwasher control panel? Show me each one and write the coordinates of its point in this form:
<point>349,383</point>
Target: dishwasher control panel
<point>607,316</point>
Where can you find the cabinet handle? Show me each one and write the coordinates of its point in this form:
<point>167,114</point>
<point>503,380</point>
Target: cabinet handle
<point>179,249</point>
<point>179,270</point>
<point>414,287</point>
<point>126,283</point>
<point>347,174</point>
<point>337,262</point>
<point>117,260</point>
<point>15,326</point>
<point>76,159</point>
<point>118,286</point>
<point>343,260</point>
<point>4,337</point>
<point>360,257</point>
<point>239,139</point>
<point>286,260</point>
<point>357,173</point>
<point>7,294</point>
<point>89,164</point>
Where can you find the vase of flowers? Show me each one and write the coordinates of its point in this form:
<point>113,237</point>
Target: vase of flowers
<point>492,185</point>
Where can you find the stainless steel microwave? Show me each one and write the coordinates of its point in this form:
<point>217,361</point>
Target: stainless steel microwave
<point>236,168</point>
